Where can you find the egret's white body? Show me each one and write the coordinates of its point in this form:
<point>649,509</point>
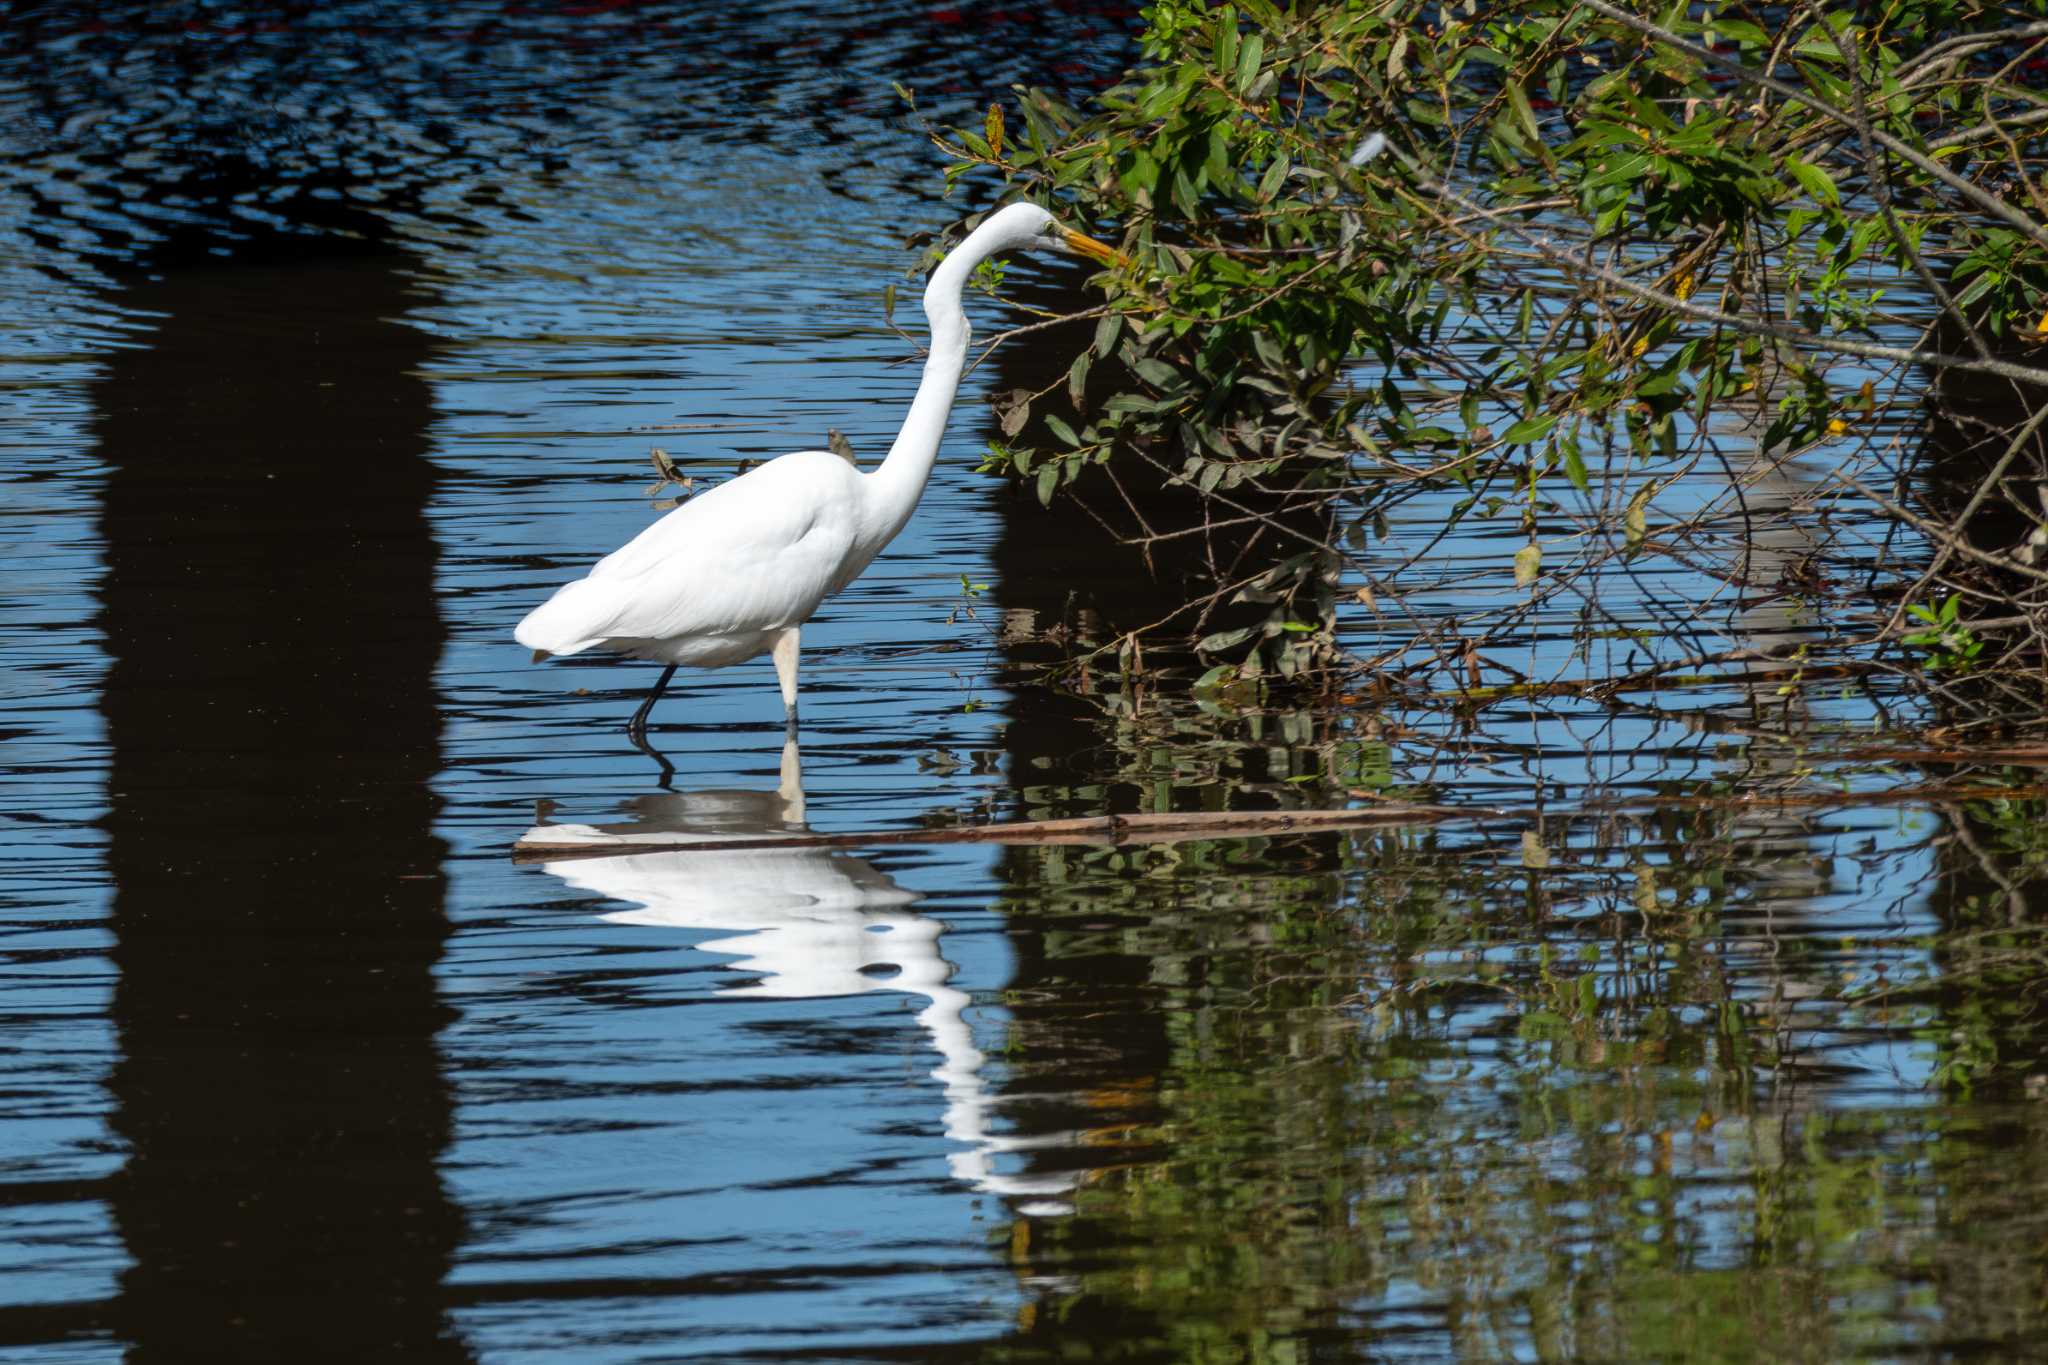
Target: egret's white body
<point>735,572</point>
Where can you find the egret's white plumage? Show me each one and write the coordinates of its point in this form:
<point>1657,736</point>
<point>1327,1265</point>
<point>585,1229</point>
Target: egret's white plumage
<point>734,572</point>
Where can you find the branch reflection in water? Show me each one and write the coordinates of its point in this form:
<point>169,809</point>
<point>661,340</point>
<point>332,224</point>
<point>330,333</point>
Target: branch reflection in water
<point>813,923</point>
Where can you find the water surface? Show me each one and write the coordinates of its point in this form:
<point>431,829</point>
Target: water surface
<point>310,397</point>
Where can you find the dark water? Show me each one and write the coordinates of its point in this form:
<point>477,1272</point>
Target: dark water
<point>332,338</point>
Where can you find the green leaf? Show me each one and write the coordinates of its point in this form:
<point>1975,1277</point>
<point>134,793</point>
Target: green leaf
<point>1575,466</point>
<point>1057,425</point>
<point>1048,479</point>
<point>1252,51</point>
<point>1276,174</point>
<point>1518,99</point>
<point>1226,41</point>
<point>1105,335</point>
<point>1077,379</point>
<point>1157,372</point>
<point>1268,348</point>
<point>1530,428</point>
<point>1224,639</point>
<point>1528,563</point>
<point>1742,31</point>
<point>1814,181</point>
<point>1216,167</point>
<point>1819,45</point>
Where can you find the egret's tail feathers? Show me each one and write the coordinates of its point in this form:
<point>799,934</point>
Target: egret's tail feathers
<point>571,621</point>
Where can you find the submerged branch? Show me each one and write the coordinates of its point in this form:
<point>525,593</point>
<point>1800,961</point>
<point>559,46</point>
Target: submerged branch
<point>549,843</point>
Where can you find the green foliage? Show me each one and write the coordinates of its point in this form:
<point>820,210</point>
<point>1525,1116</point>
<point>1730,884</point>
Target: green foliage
<point>988,277</point>
<point>2007,281</point>
<point>1950,646</point>
<point>1584,242</point>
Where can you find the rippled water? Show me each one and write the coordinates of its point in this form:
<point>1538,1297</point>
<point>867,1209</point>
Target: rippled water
<point>299,1063</point>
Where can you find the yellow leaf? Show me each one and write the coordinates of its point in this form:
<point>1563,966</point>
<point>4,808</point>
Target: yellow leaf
<point>992,127</point>
<point>1836,426</point>
<point>1528,562</point>
<point>1642,344</point>
<point>1686,284</point>
<point>1635,521</point>
<point>2041,327</point>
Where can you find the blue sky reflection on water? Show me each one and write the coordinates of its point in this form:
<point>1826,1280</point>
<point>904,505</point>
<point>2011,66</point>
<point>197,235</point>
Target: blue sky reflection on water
<point>51,794</point>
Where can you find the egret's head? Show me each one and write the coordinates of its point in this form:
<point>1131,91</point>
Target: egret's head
<point>1031,227</point>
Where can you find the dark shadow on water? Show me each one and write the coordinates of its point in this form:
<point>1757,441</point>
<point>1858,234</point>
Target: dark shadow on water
<point>269,607</point>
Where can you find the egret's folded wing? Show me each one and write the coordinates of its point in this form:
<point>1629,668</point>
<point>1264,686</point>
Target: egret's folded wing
<point>754,554</point>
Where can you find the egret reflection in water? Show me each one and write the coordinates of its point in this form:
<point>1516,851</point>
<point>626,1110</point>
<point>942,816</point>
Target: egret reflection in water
<point>812,923</point>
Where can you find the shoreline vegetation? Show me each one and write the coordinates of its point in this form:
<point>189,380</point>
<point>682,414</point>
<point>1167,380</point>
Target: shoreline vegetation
<point>1739,307</point>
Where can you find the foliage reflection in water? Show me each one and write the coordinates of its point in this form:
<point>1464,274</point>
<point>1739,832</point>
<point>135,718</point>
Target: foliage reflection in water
<point>1687,1080</point>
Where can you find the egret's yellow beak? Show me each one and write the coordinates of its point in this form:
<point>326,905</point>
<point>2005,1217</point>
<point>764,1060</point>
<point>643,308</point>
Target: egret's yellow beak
<point>1082,245</point>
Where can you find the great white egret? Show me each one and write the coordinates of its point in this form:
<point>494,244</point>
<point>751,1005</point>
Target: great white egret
<point>735,572</point>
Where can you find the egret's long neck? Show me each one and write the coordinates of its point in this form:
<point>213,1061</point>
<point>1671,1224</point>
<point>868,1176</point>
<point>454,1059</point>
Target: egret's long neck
<point>899,481</point>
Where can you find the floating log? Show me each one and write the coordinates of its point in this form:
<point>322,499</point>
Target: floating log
<point>553,843</point>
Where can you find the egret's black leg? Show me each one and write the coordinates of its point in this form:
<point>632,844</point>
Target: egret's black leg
<point>637,727</point>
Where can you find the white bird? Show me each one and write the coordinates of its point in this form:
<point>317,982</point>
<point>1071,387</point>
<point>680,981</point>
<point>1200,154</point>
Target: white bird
<point>735,572</point>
